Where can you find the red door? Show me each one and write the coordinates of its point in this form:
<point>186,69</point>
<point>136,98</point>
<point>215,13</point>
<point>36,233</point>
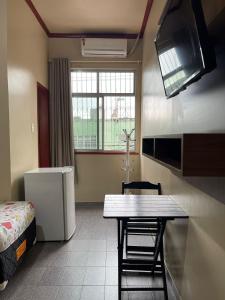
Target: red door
<point>43,126</point>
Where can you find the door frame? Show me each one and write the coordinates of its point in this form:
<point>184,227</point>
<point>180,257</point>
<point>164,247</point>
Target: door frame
<point>42,88</point>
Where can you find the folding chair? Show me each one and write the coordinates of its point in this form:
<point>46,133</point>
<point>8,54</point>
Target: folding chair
<point>152,266</point>
<point>140,227</point>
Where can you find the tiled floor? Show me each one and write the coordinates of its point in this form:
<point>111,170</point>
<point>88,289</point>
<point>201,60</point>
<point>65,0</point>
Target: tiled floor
<point>84,268</point>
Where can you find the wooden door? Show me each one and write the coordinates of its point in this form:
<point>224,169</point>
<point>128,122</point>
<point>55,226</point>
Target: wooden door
<point>43,126</point>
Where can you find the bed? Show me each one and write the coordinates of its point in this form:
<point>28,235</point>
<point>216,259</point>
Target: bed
<point>17,236</point>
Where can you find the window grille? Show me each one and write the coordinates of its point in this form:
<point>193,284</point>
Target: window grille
<point>103,105</point>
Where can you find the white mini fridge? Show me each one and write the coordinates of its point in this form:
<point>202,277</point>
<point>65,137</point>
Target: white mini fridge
<point>51,190</point>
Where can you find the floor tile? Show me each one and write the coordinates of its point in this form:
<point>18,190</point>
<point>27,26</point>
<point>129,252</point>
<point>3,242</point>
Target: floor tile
<point>45,293</point>
<point>24,293</point>
<point>111,259</point>
<point>140,240</point>
<point>138,280</point>
<point>71,259</point>
<point>142,296</point>
<point>95,276</point>
<point>63,276</point>
<point>97,245</point>
<point>76,269</point>
<point>111,293</point>
<point>51,247</point>
<point>36,293</point>
<point>73,276</point>
<point>134,279</point>
<point>111,235</point>
<point>69,293</point>
<point>92,293</point>
<point>52,276</point>
<point>171,292</point>
<point>30,276</point>
<point>111,245</point>
<point>96,259</point>
<point>11,290</point>
<point>111,276</point>
<point>91,231</point>
<point>77,245</point>
<point>44,258</point>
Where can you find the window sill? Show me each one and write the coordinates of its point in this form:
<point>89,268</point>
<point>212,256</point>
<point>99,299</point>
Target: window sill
<point>110,152</point>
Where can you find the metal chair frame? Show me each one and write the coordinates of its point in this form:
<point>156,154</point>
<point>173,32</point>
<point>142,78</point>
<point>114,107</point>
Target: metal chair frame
<point>153,266</point>
<point>136,226</point>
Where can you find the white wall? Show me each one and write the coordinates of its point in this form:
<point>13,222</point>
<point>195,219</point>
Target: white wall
<point>23,62</point>
<point>5,192</point>
<point>195,250</point>
<point>27,65</point>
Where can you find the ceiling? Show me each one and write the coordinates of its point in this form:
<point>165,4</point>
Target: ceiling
<point>92,16</point>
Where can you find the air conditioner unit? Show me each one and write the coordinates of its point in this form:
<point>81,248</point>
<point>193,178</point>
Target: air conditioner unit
<point>96,47</point>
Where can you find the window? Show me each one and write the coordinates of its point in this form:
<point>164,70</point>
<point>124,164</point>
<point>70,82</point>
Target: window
<point>103,105</point>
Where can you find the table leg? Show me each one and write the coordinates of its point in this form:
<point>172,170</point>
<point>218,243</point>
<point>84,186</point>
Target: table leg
<point>160,251</point>
<point>163,271</point>
<point>158,243</point>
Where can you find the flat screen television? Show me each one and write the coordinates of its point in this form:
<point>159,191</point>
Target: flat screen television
<point>183,45</point>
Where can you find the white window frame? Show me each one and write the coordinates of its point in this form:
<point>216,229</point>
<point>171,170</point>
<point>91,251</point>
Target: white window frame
<point>99,95</point>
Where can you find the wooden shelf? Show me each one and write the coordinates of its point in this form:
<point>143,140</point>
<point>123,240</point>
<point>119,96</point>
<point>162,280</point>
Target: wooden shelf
<point>189,154</point>
<point>148,146</point>
<point>168,150</point>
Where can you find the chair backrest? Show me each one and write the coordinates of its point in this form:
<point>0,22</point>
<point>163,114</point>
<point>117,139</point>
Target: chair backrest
<point>141,185</point>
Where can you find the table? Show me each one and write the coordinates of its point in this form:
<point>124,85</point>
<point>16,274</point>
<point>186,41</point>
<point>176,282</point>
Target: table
<point>123,207</point>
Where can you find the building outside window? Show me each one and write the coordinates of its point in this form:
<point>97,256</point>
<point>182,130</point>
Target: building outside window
<point>103,105</point>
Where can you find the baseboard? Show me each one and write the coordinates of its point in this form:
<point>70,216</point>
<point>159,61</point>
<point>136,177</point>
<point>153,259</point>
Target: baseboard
<point>171,280</point>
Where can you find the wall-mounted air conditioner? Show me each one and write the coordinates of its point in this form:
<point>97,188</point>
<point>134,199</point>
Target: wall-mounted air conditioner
<point>96,47</point>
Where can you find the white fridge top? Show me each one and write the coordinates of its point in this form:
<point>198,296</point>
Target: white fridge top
<point>50,170</point>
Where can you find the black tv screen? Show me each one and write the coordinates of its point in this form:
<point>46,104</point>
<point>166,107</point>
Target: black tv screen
<point>183,45</point>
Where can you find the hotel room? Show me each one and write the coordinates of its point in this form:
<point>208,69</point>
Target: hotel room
<point>112,143</point>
